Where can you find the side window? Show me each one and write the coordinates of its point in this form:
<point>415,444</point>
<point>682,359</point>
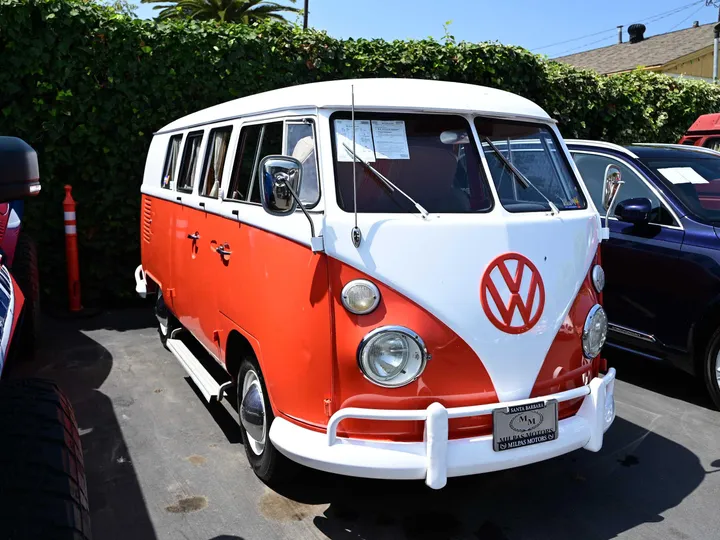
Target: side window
<point>300,144</point>
<point>215,161</point>
<point>245,158</point>
<point>171,161</point>
<point>713,144</point>
<point>592,169</point>
<point>255,142</point>
<point>190,159</point>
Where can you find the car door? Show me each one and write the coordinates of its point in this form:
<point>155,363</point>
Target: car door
<point>186,239</point>
<point>207,256</point>
<point>643,268</point>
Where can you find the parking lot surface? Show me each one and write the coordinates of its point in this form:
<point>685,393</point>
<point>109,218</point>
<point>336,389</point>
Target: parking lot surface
<point>162,464</point>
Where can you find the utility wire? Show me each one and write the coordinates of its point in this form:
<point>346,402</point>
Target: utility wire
<point>584,45</point>
<point>652,18</point>
<point>686,18</point>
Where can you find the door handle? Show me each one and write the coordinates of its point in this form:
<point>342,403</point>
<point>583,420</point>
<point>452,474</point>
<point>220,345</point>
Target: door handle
<point>223,251</point>
<point>194,237</point>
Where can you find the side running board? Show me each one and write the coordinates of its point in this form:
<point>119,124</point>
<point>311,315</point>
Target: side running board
<point>205,382</point>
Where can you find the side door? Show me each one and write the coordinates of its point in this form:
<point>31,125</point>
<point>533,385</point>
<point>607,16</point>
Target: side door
<point>239,296</point>
<point>185,241</point>
<point>209,226</point>
<point>643,269</point>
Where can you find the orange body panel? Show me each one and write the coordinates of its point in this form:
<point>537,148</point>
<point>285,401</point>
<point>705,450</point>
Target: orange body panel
<point>271,290</point>
<point>286,301</point>
<point>565,365</point>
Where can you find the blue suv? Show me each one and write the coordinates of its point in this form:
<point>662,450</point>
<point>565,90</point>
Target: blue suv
<point>662,262</point>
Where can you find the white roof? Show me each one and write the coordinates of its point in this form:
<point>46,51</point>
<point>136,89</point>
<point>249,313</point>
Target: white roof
<point>372,94</point>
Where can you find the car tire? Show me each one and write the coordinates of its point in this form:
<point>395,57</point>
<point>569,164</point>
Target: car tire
<point>43,491</point>
<point>711,365</point>
<point>166,320</point>
<point>25,272</point>
<point>271,466</point>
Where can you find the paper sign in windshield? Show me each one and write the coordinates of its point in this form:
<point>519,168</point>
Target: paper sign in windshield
<point>364,148</point>
<point>390,139</point>
<point>682,175</point>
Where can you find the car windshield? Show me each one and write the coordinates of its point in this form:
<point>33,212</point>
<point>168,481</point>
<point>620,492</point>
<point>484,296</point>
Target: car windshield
<point>430,157</point>
<point>695,179</point>
<point>533,150</point>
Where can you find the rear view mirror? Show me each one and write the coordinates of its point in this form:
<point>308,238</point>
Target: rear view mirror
<point>19,173</point>
<point>280,178</point>
<point>611,186</point>
<point>635,211</point>
<point>459,136</point>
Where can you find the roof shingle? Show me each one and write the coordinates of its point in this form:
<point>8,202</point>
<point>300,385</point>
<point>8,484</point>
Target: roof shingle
<point>652,51</point>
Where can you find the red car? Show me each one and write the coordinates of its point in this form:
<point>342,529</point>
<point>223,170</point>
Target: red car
<point>705,131</point>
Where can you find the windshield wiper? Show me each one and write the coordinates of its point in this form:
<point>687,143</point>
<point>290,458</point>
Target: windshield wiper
<point>392,187</point>
<point>522,179</point>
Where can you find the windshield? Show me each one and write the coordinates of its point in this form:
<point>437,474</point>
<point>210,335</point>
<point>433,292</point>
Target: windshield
<point>429,157</point>
<point>533,150</point>
<point>694,179</point>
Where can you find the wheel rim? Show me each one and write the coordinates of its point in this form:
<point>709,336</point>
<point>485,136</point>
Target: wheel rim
<point>717,369</point>
<point>162,314</point>
<point>252,412</point>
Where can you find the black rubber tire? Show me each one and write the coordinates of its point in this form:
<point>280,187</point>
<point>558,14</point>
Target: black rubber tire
<point>711,382</point>
<point>43,492</point>
<point>161,309</point>
<point>272,467</point>
<point>25,272</point>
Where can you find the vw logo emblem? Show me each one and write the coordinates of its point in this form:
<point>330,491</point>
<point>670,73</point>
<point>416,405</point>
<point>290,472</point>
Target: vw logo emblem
<point>528,301</point>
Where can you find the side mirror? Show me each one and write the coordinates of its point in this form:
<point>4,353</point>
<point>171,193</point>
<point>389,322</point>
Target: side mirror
<point>635,211</point>
<point>611,186</point>
<point>19,173</point>
<point>280,178</point>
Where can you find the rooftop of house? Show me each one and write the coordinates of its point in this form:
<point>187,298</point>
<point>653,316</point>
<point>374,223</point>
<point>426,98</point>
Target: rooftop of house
<point>648,51</point>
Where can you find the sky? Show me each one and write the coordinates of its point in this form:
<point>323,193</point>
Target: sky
<point>539,26</point>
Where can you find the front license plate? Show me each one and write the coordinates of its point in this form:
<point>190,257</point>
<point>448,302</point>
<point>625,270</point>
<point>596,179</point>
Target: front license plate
<point>523,425</point>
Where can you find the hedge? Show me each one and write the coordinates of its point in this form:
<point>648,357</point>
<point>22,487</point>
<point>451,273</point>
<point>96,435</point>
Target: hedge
<point>87,86</point>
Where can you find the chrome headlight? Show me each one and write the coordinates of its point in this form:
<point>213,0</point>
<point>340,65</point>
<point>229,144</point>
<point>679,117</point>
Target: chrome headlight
<point>598,277</point>
<point>360,296</point>
<point>392,356</point>
<point>594,331</point>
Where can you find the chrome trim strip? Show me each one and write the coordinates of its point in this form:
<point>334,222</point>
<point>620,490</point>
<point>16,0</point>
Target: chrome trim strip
<point>630,332</point>
<point>602,144</point>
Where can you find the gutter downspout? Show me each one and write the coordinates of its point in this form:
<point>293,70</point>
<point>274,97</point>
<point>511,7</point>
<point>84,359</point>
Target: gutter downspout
<point>715,53</point>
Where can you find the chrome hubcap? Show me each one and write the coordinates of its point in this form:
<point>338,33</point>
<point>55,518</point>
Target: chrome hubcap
<point>717,368</point>
<point>252,412</point>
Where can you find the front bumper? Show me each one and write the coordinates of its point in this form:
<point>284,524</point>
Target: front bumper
<point>140,282</point>
<point>437,458</point>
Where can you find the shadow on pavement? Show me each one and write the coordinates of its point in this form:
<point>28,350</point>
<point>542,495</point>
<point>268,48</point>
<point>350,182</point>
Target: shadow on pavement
<point>118,320</point>
<point>659,378</point>
<point>577,496</point>
<point>80,365</point>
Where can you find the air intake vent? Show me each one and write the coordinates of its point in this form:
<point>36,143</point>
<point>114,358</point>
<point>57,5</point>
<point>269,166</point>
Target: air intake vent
<point>636,32</point>
<point>146,219</point>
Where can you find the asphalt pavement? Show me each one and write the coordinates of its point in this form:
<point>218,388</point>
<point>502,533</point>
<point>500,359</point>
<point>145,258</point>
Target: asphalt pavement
<point>162,464</point>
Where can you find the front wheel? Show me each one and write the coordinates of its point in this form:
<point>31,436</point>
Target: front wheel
<point>256,417</point>
<point>166,320</point>
<point>711,367</point>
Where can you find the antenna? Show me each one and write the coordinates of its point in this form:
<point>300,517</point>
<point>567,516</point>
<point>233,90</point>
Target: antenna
<point>356,233</point>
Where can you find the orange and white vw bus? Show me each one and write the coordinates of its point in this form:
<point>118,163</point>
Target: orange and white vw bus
<point>401,278</point>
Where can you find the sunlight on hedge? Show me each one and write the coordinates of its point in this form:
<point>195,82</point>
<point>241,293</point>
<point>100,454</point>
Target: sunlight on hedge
<point>87,86</point>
